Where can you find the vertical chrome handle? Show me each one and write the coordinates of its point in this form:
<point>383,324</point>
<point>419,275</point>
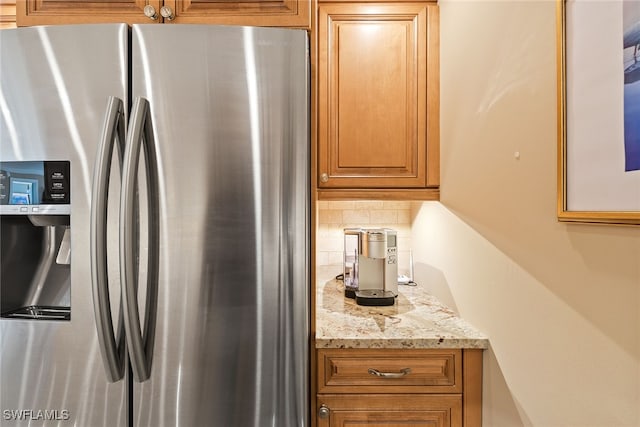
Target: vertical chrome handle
<point>140,135</point>
<point>113,353</point>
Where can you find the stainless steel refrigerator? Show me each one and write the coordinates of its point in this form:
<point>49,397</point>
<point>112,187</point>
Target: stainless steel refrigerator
<point>154,204</point>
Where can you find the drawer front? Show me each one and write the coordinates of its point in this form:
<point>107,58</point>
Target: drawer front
<point>389,371</point>
<point>390,410</point>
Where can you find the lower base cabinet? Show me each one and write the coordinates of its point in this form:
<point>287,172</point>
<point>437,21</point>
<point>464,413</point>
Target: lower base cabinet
<point>399,387</point>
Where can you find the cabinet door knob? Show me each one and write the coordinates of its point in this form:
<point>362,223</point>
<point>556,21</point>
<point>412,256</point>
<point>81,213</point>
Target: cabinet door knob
<point>150,12</point>
<point>323,412</point>
<point>324,177</point>
<point>167,13</point>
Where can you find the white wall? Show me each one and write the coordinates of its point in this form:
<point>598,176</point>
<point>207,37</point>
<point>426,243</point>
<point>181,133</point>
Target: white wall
<point>560,302</point>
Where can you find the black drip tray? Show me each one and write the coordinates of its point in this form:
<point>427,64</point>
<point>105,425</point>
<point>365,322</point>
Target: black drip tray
<point>375,297</point>
<point>40,312</point>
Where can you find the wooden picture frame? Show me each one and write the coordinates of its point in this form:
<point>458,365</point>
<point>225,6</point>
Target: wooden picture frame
<point>591,186</point>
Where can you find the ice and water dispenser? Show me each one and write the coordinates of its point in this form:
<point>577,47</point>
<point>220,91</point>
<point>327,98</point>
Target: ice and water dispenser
<point>35,253</point>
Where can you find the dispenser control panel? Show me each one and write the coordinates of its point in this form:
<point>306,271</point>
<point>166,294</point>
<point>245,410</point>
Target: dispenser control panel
<point>392,249</point>
<point>35,187</point>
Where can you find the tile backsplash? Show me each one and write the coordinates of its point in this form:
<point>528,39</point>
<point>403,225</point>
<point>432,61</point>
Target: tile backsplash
<point>334,217</point>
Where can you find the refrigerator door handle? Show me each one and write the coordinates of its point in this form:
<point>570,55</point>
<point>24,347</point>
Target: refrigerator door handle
<point>111,348</point>
<point>140,134</point>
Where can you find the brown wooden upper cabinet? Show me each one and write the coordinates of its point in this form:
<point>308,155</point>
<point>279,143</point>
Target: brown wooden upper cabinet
<point>7,14</point>
<point>280,13</point>
<point>378,100</point>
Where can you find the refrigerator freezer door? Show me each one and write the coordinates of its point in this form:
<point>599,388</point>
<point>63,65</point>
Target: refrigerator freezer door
<point>55,82</point>
<point>230,113</point>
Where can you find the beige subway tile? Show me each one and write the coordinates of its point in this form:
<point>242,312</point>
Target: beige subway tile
<point>415,208</point>
<point>341,205</point>
<point>403,262</point>
<point>404,243</point>
<point>355,217</point>
<point>322,258</point>
<point>403,231</point>
<point>404,216</point>
<point>355,225</point>
<point>336,231</point>
<point>328,216</point>
<point>325,244</point>
<point>336,258</point>
<point>368,204</point>
<point>322,230</point>
<point>396,204</point>
<point>387,217</point>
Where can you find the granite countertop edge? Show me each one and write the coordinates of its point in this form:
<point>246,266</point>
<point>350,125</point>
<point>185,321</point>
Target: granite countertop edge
<point>418,320</point>
<point>409,343</point>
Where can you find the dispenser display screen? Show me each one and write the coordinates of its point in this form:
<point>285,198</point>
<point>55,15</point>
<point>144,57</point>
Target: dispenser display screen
<point>391,240</point>
<point>35,183</point>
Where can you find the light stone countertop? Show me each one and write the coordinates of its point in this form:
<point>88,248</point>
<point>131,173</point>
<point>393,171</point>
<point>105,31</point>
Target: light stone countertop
<point>416,320</point>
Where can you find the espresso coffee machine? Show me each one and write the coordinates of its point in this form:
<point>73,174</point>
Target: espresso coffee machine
<point>370,265</point>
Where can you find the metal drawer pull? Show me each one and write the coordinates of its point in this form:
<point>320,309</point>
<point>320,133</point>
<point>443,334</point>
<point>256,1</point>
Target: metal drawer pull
<point>403,372</point>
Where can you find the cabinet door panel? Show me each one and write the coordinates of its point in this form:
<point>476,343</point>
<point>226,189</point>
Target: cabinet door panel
<point>372,97</point>
<point>363,80</point>
<point>391,419</point>
<point>409,410</point>
<point>46,12</point>
<point>282,13</point>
